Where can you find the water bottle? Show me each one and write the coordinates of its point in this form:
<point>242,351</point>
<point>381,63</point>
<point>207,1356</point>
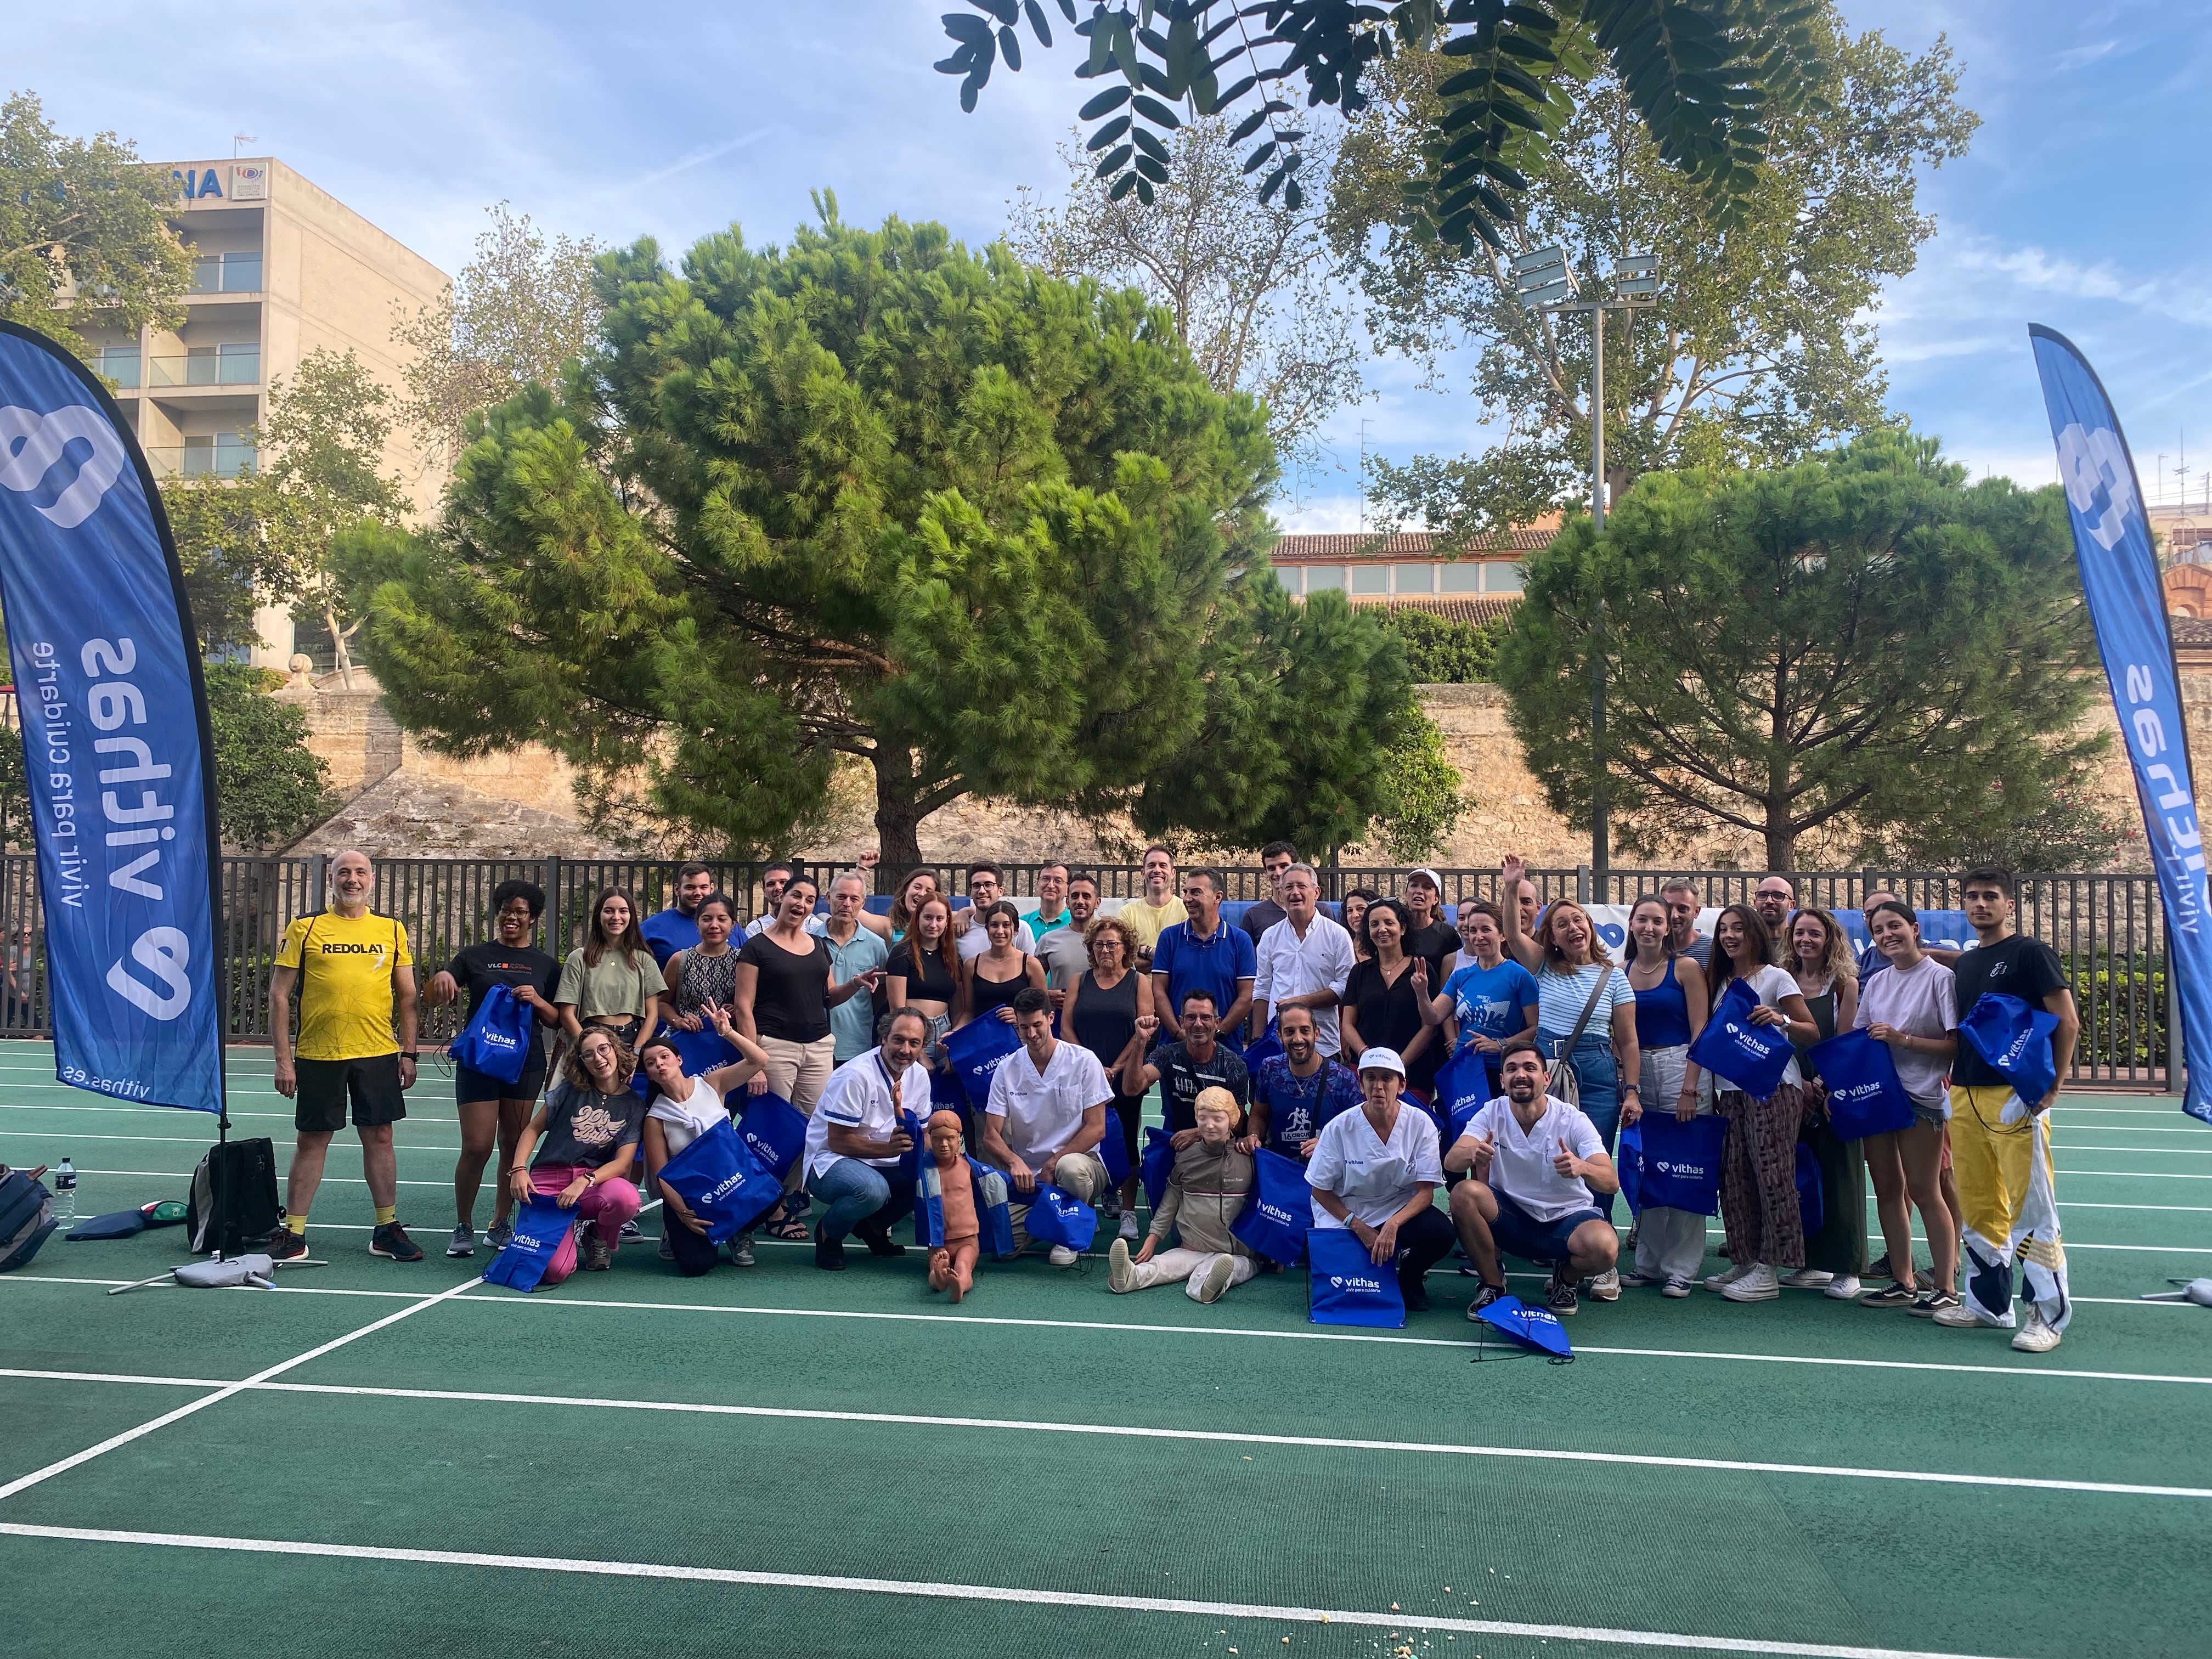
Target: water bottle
<point>65,1192</point>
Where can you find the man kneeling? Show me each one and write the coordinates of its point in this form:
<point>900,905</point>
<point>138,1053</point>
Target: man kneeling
<point>1536,1162</point>
<point>1207,1191</point>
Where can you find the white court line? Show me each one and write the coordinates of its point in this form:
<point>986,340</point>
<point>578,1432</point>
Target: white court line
<point>1019,1596</point>
<point>224,1393</point>
<point>21,1106</point>
<point>398,1145</point>
<point>2156,1152</point>
<point>1205,1437</point>
<point>2131,1175</point>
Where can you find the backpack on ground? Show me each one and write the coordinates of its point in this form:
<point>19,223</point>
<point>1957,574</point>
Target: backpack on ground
<point>26,1216</point>
<point>233,1198</point>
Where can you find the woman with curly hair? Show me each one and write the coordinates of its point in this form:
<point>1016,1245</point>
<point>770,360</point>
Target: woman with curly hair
<point>589,1124</point>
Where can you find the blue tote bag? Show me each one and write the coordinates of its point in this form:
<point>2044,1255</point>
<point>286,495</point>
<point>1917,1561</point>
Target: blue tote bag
<point>1264,1047</point>
<point>1157,1164</point>
<point>1535,1328</point>
<point>722,1181</point>
<point>1347,1287</point>
<point>1113,1151</point>
<point>977,1049</point>
<point>701,1051</point>
<point>1811,1211</point>
<point>541,1227</point>
<point>2016,1040</point>
<point>1864,1094</point>
<point>1278,1214</point>
<point>1057,1217</point>
<point>773,1128</point>
<point>1462,1087</point>
<point>1630,1154</point>
<point>1752,1057</point>
<point>1679,1163</point>
<point>497,1040</point>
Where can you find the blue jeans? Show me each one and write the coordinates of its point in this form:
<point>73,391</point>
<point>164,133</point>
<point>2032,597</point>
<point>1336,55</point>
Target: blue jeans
<point>857,1192</point>
<point>1598,1075</point>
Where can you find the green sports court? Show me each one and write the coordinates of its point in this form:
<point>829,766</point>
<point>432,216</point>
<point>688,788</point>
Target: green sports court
<point>385,1460</point>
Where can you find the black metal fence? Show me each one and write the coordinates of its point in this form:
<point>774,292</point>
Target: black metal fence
<point>2107,929</point>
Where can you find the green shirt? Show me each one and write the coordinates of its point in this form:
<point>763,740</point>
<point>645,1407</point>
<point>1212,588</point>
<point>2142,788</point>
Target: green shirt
<point>615,986</point>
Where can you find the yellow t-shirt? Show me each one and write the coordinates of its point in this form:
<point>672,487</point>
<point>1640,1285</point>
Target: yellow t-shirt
<point>345,983</point>
<point>1148,922</point>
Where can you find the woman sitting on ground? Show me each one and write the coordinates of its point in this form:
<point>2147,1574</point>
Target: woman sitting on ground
<point>684,1108</point>
<point>589,1124</point>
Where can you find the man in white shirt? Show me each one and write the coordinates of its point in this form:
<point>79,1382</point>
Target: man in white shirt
<point>970,937</point>
<point>1304,960</point>
<point>1046,1116</point>
<point>775,877</point>
<point>854,1141</point>
<point>1535,1161</point>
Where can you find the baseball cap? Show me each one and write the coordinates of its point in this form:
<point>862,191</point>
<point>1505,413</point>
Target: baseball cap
<point>1382,1060</point>
<point>1427,875</point>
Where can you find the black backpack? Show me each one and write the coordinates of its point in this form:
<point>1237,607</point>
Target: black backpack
<point>26,1215</point>
<point>233,1198</point>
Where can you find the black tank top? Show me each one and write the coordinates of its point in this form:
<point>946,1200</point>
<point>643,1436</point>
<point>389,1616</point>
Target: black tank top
<point>1106,1019</point>
<point>932,982</point>
<point>991,995</point>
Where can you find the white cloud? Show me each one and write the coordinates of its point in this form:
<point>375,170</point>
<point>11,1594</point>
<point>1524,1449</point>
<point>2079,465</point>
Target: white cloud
<point>2076,57</point>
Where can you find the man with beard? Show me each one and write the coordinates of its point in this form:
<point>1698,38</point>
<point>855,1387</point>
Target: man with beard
<point>1298,1091</point>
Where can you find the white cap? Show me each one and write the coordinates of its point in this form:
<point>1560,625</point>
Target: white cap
<point>1382,1060</point>
<point>1433,879</point>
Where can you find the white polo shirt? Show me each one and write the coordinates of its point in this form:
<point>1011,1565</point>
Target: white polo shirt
<point>1040,1114</point>
<point>1292,967</point>
<point>977,939</point>
<point>1521,1170</point>
<point>859,1096</point>
<point>1374,1177</point>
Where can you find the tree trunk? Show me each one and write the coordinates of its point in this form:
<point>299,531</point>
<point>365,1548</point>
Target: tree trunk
<point>338,645</point>
<point>899,819</point>
<point>1781,843</point>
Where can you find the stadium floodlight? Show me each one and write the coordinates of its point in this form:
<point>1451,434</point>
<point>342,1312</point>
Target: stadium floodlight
<point>1635,276</point>
<point>1542,277</point>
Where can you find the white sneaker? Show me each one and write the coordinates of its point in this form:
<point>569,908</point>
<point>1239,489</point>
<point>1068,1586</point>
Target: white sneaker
<point>1606,1287</point>
<point>1806,1279</point>
<point>1061,1256</point>
<point>1728,1276</point>
<point>1129,1226</point>
<point>1760,1284</point>
<point>1217,1271</point>
<point>2035,1336</point>
<point>1843,1287</point>
<point>1120,1270</point>
<point>1676,1288</point>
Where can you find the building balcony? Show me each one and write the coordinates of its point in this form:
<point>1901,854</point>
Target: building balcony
<point>221,456</point>
<point>226,273</point>
<point>119,364</point>
<point>226,365</point>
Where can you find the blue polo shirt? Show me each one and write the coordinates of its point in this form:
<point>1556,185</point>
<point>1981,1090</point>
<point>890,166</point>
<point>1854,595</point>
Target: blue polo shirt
<point>1214,964</point>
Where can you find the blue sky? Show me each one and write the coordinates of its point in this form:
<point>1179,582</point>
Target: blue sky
<point>2082,204</point>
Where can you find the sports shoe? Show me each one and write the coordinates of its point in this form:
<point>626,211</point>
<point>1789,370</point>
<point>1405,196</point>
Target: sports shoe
<point>830,1254</point>
<point>1128,1229</point>
<point>1676,1288</point>
<point>879,1240</point>
<point>1843,1287</point>
<point>391,1240</point>
<point>285,1245</point>
<point>1483,1298</point>
<point>1415,1293</point>
<point>1216,1279</point>
<point>1806,1279</point>
<point>2036,1336</point>
<point>667,1250</point>
<point>1878,1267</point>
<point>741,1250</point>
<point>1958,1316</point>
<point>1606,1287</point>
<point>464,1242</point>
<point>1061,1256</point>
<point>593,1254</point>
<point>1892,1295</point>
<point>1120,1270</point>
<point>1728,1276</point>
<point>1636,1281</point>
<point>1562,1300</point>
<point>1760,1284</point>
<point>499,1235</point>
<point>631,1230</point>
<point>1928,1303</point>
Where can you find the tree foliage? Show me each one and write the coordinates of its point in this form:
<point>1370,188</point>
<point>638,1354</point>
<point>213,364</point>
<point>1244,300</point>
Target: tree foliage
<point>1709,80</point>
<point>525,305</point>
<point>1252,289</point>
<point>871,496</point>
<point>270,531</point>
<point>1854,645</point>
<point>85,241</point>
<point>1761,348</point>
<point>271,788</point>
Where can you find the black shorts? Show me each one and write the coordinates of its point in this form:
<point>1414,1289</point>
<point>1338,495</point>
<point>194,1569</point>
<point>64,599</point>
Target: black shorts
<point>325,1085</point>
<point>473,1085</point>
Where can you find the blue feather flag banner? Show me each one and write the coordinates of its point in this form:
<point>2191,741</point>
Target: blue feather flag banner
<point>2127,607</point>
<point>117,750</point>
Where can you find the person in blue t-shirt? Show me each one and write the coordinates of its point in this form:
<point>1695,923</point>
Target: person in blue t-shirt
<point>1205,954</point>
<point>1299,1090</point>
<point>677,928</point>
<point>1491,1002</point>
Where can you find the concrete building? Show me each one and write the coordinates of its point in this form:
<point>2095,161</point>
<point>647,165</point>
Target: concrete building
<point>1406,570</point>
<point>281,269</point>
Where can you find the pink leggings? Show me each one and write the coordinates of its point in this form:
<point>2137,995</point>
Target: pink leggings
<point>607,1205</point>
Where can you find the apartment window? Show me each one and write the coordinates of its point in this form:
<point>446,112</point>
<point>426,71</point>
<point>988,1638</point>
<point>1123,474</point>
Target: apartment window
<point>1501,578</point>
<point>1371,579</point>
<point>1320,578</point>
<point>1292,577</point>
<point>118,363</point>
<point>1414,578</point>
<point>219,455</point>
<point>1459,576</point>
<point>226,273</point>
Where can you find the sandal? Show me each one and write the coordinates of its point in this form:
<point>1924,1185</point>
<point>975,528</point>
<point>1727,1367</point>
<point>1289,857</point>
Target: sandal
<point>791,1232</point>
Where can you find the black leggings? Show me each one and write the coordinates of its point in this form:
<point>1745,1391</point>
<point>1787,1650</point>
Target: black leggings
<point>1423,1242</point>
<point>695,1252</point>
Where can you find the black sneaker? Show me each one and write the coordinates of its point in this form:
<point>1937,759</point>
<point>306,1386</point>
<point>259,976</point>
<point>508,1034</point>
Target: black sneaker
<point>391,1240</point>
<point>1564,1300</point>
<point>881,1243</point>
<point>1878,1268</point>
<point>1892,1295</point>
<point>1414,1295</point>
<point>1483,1299</point>
<point>1928,1303</point>
<point>829,1254</point>
<point>285,1245</point>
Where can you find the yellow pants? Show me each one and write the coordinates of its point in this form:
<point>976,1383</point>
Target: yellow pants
<point>2009,1207</point>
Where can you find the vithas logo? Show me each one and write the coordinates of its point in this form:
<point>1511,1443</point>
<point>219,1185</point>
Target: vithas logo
<point>32,445</point>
